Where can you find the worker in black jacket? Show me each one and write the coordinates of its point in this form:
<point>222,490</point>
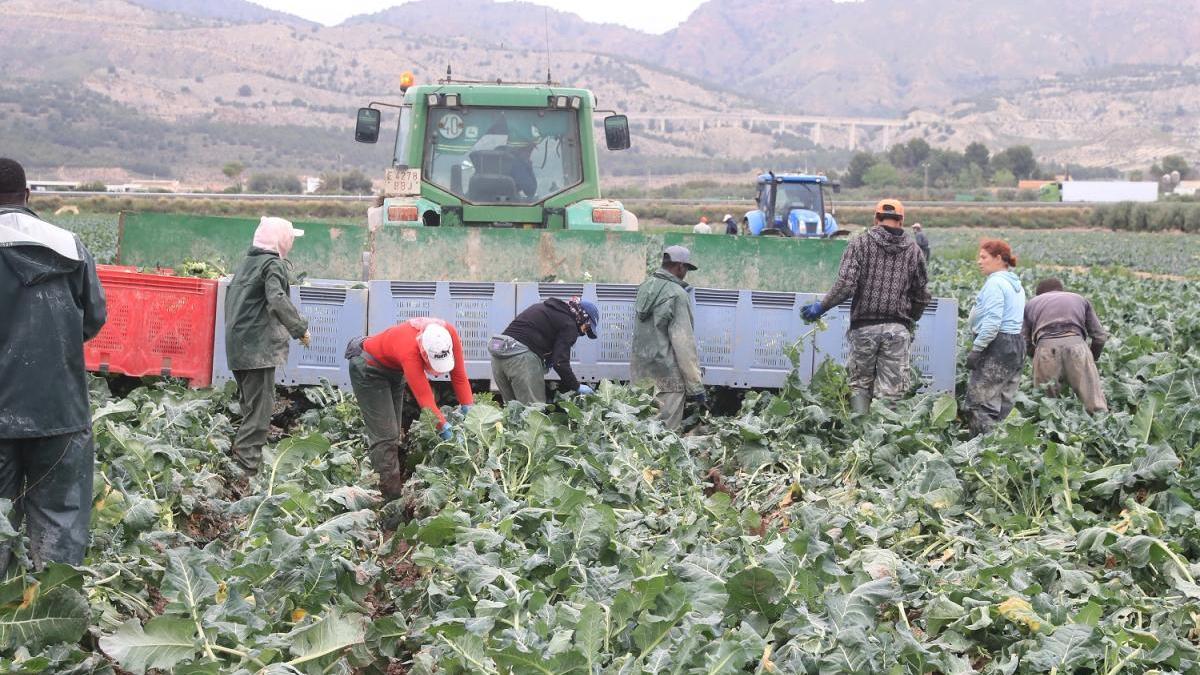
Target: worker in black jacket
<point>540,338</point>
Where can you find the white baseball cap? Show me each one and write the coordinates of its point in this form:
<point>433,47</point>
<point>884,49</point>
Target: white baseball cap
<point>438,347</point>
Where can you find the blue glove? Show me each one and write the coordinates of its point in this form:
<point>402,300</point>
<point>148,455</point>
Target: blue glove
<point>464,409</point>
<point>585,390</point>
<point>812,312</point>
<point>447,432</point>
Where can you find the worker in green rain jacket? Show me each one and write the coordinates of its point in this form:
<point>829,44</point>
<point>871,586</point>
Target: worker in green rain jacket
<point>664,339</point>
<point>259,319</point>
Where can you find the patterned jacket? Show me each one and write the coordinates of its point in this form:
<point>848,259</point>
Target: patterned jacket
<point>883,271</point>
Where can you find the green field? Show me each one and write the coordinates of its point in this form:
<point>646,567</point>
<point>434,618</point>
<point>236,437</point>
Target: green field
<point>585,539</point>
<point>1158,253</point>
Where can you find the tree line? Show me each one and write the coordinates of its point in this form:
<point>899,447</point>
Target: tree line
<point>918,164</point>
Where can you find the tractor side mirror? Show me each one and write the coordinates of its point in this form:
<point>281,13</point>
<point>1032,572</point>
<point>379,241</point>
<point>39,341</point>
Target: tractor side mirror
<point>366,129</point>
<point>616,132</point>
<point>837,188</point>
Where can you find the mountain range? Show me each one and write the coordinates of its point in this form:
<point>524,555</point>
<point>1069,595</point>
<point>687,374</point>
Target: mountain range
<point>179,87</point>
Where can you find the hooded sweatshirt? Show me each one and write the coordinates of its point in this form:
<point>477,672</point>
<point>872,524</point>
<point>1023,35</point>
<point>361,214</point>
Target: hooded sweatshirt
<point>999,308</point>
<point>51,302</point>
<point>549,329</point>
<point>883,275</point>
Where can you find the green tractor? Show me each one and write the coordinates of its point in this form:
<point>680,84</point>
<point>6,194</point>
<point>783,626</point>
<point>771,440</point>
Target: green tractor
<point>493,182</point>
<point>499,156</point>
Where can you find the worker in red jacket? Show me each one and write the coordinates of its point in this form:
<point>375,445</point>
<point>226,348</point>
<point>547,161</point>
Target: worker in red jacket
<point>383,366</point>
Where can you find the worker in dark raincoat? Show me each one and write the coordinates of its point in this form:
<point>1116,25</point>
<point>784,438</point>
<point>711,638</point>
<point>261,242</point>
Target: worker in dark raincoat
<point>51,302</point>
<point>259,319</point>
<point>664,338</point>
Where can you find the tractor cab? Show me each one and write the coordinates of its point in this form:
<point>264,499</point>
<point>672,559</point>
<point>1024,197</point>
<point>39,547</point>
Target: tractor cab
<point>792,205</point>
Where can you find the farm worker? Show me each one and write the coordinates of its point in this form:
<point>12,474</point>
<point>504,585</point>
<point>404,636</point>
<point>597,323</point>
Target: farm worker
<point>1057,326</point>
<point>883,275</point>
<point>386,365</point>
<point>922,240</point>
<point>702,227</point>
<point>51,302</point>
<point>998,352</point>
<point>541,337</point>
<point>664,339</point>
<point>259,319</point>
<point>730,224</point>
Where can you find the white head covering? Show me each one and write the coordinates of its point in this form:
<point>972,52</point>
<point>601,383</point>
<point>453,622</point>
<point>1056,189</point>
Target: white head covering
<point>276,234</point>
<point>435,341</point>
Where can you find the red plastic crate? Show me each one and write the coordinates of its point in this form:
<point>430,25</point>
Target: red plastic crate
<point>157,325</point>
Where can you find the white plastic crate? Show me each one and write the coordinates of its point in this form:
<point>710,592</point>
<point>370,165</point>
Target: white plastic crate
<point>933,349</point>
<point>478,310</point>
<point>335,312</point>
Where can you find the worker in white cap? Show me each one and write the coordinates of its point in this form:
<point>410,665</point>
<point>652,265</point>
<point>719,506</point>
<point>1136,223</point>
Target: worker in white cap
<point>259,320</point>
<point>387,365</point>
<point>664,339</point>
<point>730,224</point>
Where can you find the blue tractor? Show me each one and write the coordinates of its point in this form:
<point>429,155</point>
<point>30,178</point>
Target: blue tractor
<point>793,205</point>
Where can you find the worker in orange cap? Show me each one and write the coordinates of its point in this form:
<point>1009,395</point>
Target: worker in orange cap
<point>883,276</point>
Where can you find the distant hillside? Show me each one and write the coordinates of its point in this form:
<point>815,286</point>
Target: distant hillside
<point>155,87</point>
<point>887,56</point>
<point>229,11</point>
<point>514,25</point>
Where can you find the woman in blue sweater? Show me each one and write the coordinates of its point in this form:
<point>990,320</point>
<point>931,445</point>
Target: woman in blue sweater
<point>997,355</point>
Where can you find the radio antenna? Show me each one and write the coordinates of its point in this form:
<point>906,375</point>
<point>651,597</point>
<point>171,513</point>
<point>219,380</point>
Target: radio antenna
<point>546,18</point>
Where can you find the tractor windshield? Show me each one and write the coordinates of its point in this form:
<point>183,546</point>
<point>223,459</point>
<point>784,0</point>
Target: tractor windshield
<point>503,155</point>
<point>792,196</point>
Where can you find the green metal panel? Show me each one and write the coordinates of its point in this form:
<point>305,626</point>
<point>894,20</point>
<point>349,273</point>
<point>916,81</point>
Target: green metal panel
<point>488,254</point>
<point>502,214</point>
<point>484,254</point>
<point>500,254</point>
<point>166,240</point>
<point>762,263</point>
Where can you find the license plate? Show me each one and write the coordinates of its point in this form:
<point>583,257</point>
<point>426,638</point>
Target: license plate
<point>398,183</point>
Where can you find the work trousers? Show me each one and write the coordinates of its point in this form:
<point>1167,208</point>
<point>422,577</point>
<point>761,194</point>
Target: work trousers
<point>670,408</point>
<point>381,393</point>
<point>49,481</point>
<point>1068,359</point>
<point>521,377</point>
<point>879,361</point>
<point>992,385</point>
<point>256,393</point>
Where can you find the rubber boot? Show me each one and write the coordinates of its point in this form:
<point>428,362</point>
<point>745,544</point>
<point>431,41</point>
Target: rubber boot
<point>860,403</point>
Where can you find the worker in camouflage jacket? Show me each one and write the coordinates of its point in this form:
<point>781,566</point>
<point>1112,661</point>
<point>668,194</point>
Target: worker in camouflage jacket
<point>51,302</point>
<point>883,275</point>
<point>259,319</point>
<point>664,339</point>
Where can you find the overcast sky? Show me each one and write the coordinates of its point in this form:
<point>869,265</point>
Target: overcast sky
<point>658,16</point>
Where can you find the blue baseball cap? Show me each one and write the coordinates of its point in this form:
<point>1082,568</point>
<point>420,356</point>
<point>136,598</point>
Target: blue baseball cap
<point>593,313</point>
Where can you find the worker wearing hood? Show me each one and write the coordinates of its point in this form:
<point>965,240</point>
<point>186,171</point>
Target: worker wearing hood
<point>259,320</point>
<point>997,353</point>
<point>51,302</point>
<point>883,275</point>
<point>664,338</point>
